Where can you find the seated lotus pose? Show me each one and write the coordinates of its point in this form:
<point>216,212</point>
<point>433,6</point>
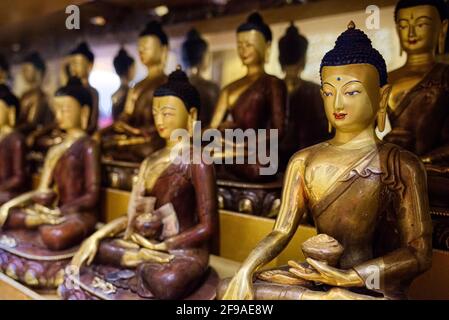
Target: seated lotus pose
<point>161,248</point>
<point>13,177</point>
<point>47,222</point>
<point>368,198</point>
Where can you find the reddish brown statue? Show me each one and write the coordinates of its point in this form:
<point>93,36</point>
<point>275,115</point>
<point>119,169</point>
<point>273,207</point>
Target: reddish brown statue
<point>171,224</point>
<point>41,228</point>
<point>306,120</point>
<point>13,173</point>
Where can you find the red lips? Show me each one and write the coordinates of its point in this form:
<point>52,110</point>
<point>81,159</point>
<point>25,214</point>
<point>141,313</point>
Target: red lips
<point>339,116</point>
<point>412,41</point>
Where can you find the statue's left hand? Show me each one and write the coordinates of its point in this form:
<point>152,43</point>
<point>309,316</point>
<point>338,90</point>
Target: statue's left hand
<point>324,273</point>
<point>144,242</point>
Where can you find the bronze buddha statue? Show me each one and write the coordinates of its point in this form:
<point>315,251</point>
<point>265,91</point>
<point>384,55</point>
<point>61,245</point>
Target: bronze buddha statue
<point>133,136</point>
<point>78,64</point>
<point>13,169</point>
<point>256,101</point>
<point>306,120</point>
<point>368,198</point>
<point>40,229</point>
<point>161,248</point>
<point>34,112</point>
<point>126,69</point>
<point>195,58</point>
<point>418,105</point>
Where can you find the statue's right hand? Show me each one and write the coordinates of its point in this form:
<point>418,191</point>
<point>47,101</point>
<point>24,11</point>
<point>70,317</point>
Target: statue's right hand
<point>86,252</point>
<point>240,287</point>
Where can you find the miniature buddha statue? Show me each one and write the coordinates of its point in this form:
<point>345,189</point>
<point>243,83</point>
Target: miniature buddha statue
<point>125,68</point>
<point>306,120</point>
<point>62,211</point>
<point>35,111</point>
<point>160,249</point>
<point>133,136</point>
<point>256,101</point>
<point>368,198</point>
<point>195,57</point>
<point>81,61</point>
<point>13,171</point>
<point>418,105</point>
<point>79,64</point>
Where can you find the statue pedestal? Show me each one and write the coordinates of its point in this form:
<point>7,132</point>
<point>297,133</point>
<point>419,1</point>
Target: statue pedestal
<point>119,174</point>
<point>23,257</point>
<point>92,285</point>
<point>260,199</point>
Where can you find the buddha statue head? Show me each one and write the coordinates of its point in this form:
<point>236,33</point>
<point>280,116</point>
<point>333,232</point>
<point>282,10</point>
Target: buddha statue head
<point>33,68</point>
<point>153,45</point>
<point>72,106</point>
<point>421,25</point>
<point>4,69</point>
<point>194,52</point>
<point>254,40</point>
<point>124,65</point>
<point>9,107</point>
<point>81,61</point>
<point>175,105</point>
<point>354,83</point>
<point>292,51</point>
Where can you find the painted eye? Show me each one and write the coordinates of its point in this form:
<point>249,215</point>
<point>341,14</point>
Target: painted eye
<point>327,94</point>
<point>352,93</point>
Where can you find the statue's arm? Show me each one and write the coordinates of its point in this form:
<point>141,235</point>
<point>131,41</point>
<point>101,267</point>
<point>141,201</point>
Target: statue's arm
<point>203,179</point>
<point>278,106</point>
<point>89,199</point>
<point>414,225</point>
<point>18,177</point>
<point>293,206</point>
<point>220,110</point>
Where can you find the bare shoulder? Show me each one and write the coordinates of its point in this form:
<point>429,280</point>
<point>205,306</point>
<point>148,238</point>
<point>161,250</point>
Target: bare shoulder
<point>301,156</point>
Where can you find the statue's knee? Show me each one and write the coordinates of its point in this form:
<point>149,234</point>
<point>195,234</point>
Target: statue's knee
<point>54,237</point>
<point>222,286</point>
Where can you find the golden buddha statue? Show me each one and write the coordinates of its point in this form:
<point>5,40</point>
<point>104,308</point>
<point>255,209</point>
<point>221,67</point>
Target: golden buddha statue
<point>368,198</point>
<point>418,104</point>
<point>62,211</point>
<point>35,111</point>
<point>306,120</point>
<point>161,248</point>
<point>126,69</point>
<point>195,57</point>
<point>78,64</point>
<point>13,171</point>
<point>133,136</point>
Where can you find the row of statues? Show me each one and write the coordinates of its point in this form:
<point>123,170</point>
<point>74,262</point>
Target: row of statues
<point>368,198</point>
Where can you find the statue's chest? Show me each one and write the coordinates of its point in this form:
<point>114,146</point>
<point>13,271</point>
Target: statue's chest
<point>401,88</point>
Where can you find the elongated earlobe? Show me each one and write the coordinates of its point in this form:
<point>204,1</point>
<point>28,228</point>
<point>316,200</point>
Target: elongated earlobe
<point>442,37</point>
<point>193,116</point>
<point>85,113</point>
<point>382,113</point>
<point>12,116</point>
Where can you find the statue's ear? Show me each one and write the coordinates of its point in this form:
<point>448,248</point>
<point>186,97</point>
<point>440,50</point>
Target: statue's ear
<point>164,55</point>
<point>382,113</point>
<point>267,52</point>
<point>193,116</point>
<point>442,37</point>
<point>85,114</point>
<point>384,95</point>
<point>12,116</point>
